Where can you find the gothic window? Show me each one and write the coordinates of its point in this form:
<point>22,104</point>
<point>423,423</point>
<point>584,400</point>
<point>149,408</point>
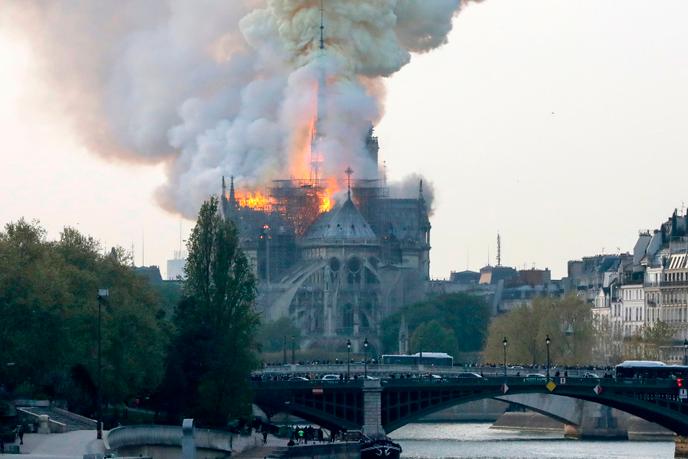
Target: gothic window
<point>354,271</point>
<point>370,277</point>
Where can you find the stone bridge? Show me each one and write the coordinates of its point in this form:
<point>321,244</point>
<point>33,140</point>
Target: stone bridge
<point>381,406</point>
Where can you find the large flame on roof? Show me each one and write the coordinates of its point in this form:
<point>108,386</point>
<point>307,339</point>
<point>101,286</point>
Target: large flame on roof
<point>254,200</point>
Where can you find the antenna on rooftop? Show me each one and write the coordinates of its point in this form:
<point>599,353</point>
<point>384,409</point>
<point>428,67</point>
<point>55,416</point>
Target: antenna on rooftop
<point>499,250</point>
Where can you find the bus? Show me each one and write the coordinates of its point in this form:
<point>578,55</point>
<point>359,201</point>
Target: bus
<point>434,359</point>
<point>649,369</point>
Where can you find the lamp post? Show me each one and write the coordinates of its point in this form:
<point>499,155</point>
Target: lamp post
<point>505,343</point>
<point>685,351</point>
<point>348,359</point>
<point>547,342</point>
<point>293,349</point>
<point>103,293</point>
<point>365,360</point>
<point>284,351</point>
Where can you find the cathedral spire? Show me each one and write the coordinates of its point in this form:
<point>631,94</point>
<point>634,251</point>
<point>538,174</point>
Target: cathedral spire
<point>348,173</point>
<point>317,130</point>
<point>232,196</point>
<point>322,24</point>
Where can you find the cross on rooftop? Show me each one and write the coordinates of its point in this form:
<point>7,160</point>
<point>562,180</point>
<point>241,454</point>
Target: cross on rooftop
<point>348,173</point>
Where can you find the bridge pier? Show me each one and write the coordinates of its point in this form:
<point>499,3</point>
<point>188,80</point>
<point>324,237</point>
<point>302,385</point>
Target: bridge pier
<point>372,408</point>
<point>571,431</point>
<point>681,446</point>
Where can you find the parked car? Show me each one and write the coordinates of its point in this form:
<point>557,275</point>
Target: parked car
<point>590,374</point>
<point>535,378</point>
<point>331,378</point>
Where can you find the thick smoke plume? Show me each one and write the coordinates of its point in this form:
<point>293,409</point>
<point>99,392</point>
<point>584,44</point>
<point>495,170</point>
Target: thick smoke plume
<point>225,87</point>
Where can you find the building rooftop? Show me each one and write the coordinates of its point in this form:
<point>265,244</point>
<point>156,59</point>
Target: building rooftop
<point>342,224</point>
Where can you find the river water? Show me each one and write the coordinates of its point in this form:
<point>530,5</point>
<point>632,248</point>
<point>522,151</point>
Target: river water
<point>468,440</point>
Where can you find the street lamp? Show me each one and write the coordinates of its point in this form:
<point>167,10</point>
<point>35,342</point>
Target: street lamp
<point>547,342</point>
<point>103,293</point>
<point>293,349</point>
<point>685,350</point>
<point>348,359</point>
<point>284,351</point>
<point>505,343</point>
<point>365,361</point>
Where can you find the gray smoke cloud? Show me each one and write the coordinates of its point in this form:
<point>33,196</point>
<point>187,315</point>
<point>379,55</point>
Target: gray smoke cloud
<point>409,187</point>
<point>217,87</point>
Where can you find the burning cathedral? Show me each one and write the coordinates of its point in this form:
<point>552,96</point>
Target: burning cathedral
<point>336,254</point>
<point>335,270</point>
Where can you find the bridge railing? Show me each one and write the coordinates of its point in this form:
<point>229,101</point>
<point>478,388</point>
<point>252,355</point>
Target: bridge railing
<point>513,381</point>
<point>358,369</point>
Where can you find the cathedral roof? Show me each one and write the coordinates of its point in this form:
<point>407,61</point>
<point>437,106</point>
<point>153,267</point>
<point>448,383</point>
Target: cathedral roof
<point>343,224</point>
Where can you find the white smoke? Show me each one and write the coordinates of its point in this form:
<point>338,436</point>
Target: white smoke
<point>218,87</point>
<point>411,186</point>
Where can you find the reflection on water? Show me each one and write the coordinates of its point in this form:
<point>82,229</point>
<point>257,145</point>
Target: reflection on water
<point>464,440</point>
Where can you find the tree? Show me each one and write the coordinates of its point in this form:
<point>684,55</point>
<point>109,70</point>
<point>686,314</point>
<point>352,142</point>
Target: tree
<point>214,348</point>
<point>465,315</point>
<point>432,336</point>
<point>272,334</point>
<point>567,321</point>
<point>48,318</point>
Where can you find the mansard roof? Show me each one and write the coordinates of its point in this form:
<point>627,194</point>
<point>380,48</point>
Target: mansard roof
<point>343,224</point>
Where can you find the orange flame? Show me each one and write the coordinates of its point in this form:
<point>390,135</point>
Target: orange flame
<point>253,200</point>
<point>327,201</point>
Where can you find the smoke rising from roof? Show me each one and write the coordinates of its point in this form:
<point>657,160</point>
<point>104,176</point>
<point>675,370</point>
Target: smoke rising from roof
<point>216,87</point>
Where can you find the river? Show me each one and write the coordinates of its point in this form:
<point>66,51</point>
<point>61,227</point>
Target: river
<point>468,440</point>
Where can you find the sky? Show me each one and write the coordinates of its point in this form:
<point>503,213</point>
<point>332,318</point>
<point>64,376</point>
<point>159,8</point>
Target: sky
<point>559,124</point>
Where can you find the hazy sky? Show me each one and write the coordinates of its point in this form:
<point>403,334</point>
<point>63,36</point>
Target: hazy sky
<point>559,123</point>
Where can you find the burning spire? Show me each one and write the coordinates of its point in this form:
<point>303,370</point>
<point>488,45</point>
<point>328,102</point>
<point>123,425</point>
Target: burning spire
<point>317,132</point>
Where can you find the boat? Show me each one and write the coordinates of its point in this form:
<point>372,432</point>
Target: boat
<point>380,448</point>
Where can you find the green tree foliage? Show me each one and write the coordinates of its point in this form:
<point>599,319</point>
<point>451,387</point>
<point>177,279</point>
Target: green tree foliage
<point>271,335</point>
<point>214,348</point>
<point>433,335</point>
<point>567,321</point>
<point>48,318</point>
<point>465,316</point>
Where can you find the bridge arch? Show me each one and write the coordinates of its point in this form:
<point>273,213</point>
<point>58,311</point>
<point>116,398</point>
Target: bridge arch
<point>340,404</point>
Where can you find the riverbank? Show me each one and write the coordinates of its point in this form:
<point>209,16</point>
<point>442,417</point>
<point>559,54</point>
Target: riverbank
<point>527,421</point>
<point>635,429</point>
